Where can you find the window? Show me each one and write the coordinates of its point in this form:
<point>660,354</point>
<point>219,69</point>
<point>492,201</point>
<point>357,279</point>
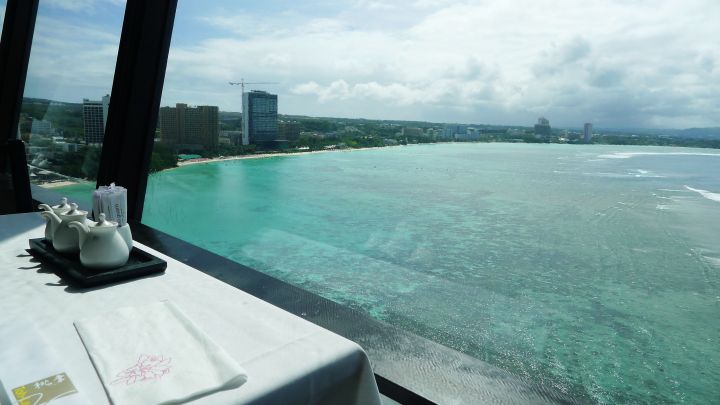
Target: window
<point>2,11</point>
<point>67,91</point>
<point>505,179</point>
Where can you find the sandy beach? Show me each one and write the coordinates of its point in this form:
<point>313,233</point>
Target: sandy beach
<point>63,183</point>
<point>55,184</point>
<point>264,155</point>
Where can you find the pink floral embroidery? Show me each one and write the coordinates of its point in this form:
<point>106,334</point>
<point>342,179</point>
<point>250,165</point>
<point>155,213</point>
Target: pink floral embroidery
<point>148,367</point>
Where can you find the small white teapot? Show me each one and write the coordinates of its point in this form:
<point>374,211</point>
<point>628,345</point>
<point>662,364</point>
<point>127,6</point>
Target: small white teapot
<point>101,245</point>
<point>61,208</point>
<point>64,239</point>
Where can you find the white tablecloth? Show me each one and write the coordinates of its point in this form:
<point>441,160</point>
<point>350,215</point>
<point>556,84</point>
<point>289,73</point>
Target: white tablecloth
<point>287,359</point>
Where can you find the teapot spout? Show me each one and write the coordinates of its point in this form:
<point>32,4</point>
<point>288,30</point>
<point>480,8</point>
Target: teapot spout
<point>82,229</point>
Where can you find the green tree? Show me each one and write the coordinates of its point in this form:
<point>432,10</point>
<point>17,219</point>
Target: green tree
<point>163,157</point>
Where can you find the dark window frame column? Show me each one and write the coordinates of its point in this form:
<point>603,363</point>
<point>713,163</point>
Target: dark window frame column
<point>135,98</point>
<point>17,35</point>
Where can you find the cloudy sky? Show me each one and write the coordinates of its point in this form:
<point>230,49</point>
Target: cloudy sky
<point>630,63</point>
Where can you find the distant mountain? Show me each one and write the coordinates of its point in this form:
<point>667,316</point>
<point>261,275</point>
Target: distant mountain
<point>31,100</point>
<point>39,108</point>
<point>700,133</point>
<point>710,133</point>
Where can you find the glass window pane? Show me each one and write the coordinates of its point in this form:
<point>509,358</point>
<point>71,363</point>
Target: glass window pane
<point>67,91</point>
<point>510,179</point>
<point>2,11</point>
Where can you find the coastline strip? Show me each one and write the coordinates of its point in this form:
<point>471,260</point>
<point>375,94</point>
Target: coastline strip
<point>264,156</point>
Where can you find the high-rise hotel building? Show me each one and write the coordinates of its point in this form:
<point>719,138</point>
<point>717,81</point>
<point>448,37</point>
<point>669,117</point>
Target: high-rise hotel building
<point>587,132</point>
<point>542,128</point>
<point>94,119</point>
<point>190,128</point>
<point>260,119</point>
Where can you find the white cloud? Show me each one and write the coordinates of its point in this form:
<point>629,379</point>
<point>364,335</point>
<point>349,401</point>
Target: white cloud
<point>80,5</point>
<point>69,62</point>
<point>431,3</point>
<point>72,5</point>
<point>394,93</point>
<point>618,63</point>
<point>376,5</point>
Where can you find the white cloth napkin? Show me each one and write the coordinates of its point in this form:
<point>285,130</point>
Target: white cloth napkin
<point>32,364</point>
<point>154,354</point>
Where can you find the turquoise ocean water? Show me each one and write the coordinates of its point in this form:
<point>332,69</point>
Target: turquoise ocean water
<point>591,269</point>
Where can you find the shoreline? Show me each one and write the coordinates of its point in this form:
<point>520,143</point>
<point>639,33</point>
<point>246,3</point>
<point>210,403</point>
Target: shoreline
<point>263,156</point>
<point>197,161</point>
<point>61,183</point>
<point>64,183</point>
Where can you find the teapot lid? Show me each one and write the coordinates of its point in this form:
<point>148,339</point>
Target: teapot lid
<point>63,204</point>
<point>74,211</point>
<point>103,223</point>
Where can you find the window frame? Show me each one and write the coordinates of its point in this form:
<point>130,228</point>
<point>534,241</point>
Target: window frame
<point>125,159</point>
<point>129,139</point>
<point>17,36</point>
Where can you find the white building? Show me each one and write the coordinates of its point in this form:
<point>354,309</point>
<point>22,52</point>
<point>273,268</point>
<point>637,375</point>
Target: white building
<point>455,132</point>
<point>42,127</point>
<point>95,118</point>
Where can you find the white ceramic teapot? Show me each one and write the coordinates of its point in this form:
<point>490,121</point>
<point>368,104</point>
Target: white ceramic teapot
<point>101,245</point>
<point>65,239</point>
<point>57,209</point>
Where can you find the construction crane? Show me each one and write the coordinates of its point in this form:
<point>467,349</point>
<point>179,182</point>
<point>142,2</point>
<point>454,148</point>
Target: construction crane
<point>242,84</point>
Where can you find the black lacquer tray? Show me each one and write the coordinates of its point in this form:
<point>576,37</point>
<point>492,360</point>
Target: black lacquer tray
<point>68,266</point>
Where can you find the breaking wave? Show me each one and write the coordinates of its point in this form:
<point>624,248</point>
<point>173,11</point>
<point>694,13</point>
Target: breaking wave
<point>707,194</point>
<point>628,155</point>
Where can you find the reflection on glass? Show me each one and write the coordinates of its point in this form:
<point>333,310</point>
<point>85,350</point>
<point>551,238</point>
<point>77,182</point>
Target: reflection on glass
<point>524,231</point>
<point>67,91</point>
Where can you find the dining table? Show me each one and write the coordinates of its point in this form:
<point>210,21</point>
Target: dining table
<point>288,360</point>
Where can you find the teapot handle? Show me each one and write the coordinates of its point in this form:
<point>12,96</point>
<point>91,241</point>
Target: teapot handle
<point>82,229</point>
